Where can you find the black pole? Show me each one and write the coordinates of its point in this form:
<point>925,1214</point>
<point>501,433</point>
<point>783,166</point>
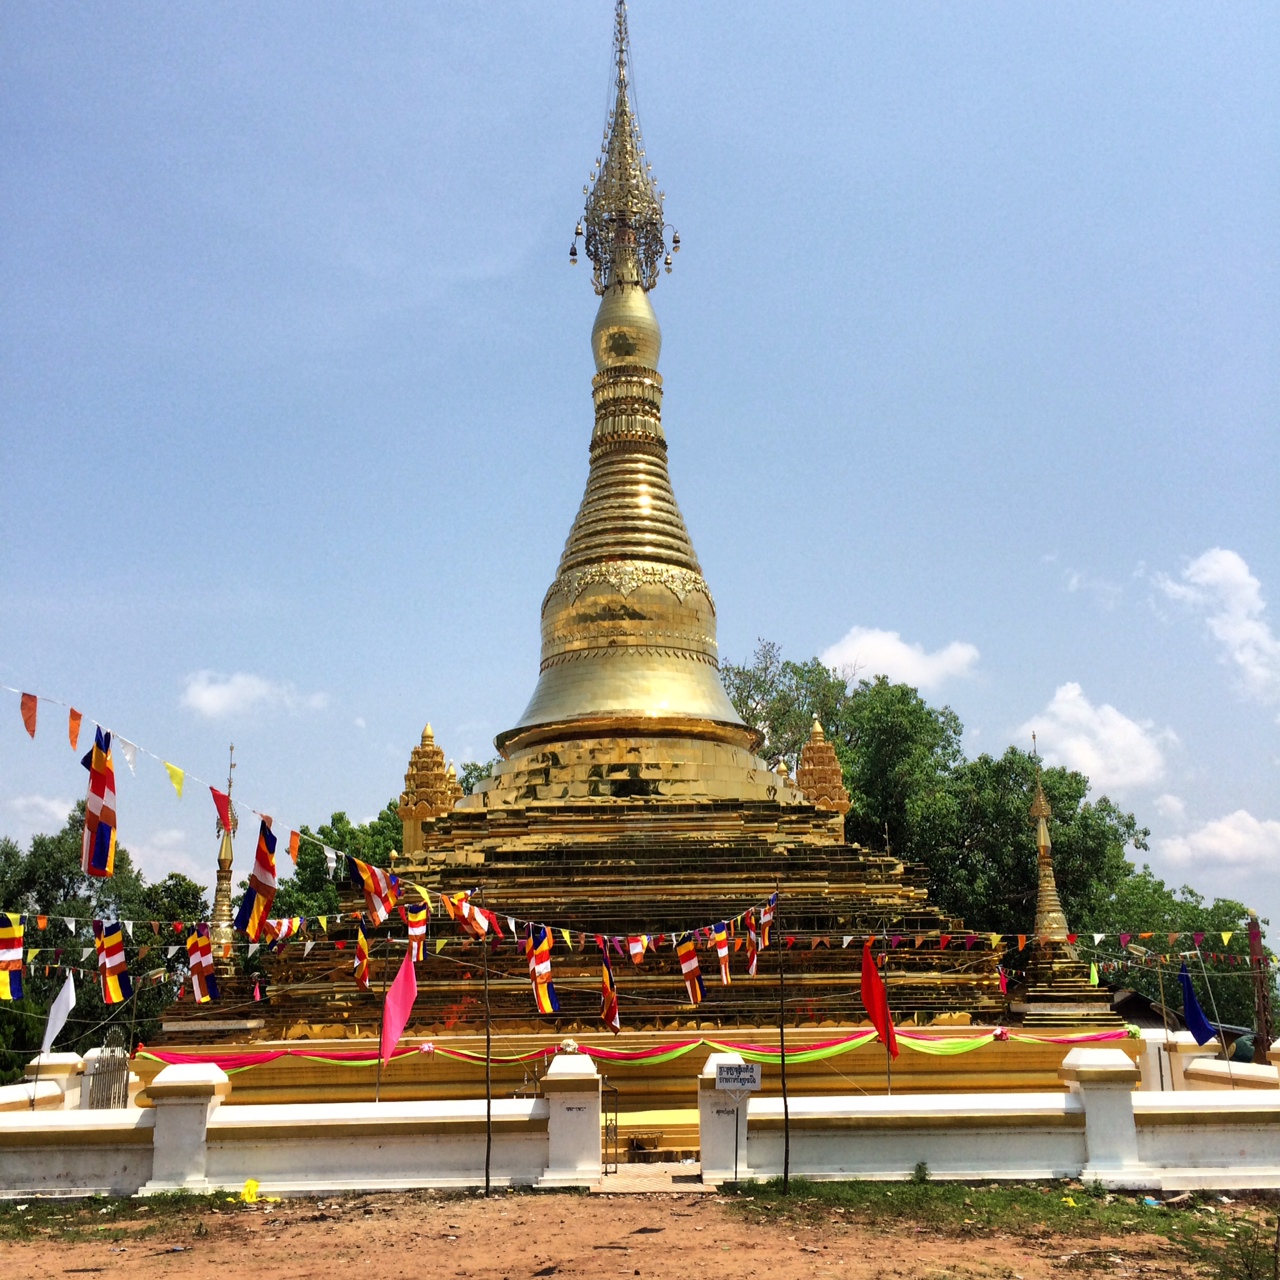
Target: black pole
<point>782,1052</point>
<point>488,1060</point>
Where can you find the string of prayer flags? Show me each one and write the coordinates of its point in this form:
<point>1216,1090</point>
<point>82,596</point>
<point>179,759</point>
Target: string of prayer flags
<point>11,936</point>
<point>687,950</point>
<point>767,913</point>
<point>608,994</point>
<point>29,704</point>
<point>261,892</point>
<point>108,941</point>
<point>538,948</point>
<point>721,933</point>
<point>753,943</point>
<point>98,845</point>
<point>381,888</point>
<point>204,985</point>
<point>362,956</point>
<point>416,917</point>
<point>73,727</point>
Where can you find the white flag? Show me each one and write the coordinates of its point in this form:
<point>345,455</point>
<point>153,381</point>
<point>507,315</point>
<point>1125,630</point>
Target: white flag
<point>129,751</point>
<point>1098,937</point>
<point>848,939</point>
<point>511,924</point>
<point>86,952</point>
<point>330,860</point>
<point>71,924</point>
<point>59,1013</point>
<point>171,952</point>
<point>253,948</point>
<point>128,928</point>
<point>306,951</point>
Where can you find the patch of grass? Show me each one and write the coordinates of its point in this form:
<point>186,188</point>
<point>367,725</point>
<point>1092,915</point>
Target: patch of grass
<point>110,1218</point>
<point>1200,1226</point>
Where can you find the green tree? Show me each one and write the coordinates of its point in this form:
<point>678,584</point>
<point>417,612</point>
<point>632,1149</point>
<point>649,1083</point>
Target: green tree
<point>473,772</point>
<point>47,881</point>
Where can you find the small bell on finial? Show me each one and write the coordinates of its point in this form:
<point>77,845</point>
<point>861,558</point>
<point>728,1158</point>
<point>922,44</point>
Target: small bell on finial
<point>666,262</point>
<point>573,254</point>
<point>577,231</point>
<point>675,242</point>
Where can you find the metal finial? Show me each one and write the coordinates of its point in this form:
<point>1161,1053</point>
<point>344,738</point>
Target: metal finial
<point>624,227</point>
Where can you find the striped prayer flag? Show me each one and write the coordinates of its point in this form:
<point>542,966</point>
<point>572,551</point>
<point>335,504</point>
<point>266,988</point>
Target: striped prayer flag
<point>637,946</point>
<point>470,918</point>
<point>608,994</point>
<point>11,940</point>
<point>362,956</point>
<point>721,933</point>
<point>381,888</point>
<point>204,985</point>
<point>98,847</point>
<point>277,931</point>
<point>767,913</point>
<point>687,950</point>
<point>108,941</point>
<point>537,947</point>
<point>416,918</point>
<point>753,942</point>
<point>261,892</point>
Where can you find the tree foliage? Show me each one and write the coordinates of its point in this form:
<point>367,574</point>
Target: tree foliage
<point>473,772</point>
<point>46,880</point>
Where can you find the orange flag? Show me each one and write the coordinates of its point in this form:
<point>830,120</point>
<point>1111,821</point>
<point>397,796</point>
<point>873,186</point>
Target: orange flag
<point>73,728</point>
<point>29,712</point>
<point>294,839</point>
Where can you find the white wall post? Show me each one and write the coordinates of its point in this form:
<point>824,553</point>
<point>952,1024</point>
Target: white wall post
<point>718,1116</point>
<point>1105,1080</point>
<point>62,1069</point>
<point>572,1089</point>
<point>185,1096</point>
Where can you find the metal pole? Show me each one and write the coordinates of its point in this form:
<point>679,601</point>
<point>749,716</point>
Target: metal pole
<point>488,1058</point>
<point>1164,1015</point>
<point>382,1020</point>
<point>782,1050</point>
<point>737,1119</point>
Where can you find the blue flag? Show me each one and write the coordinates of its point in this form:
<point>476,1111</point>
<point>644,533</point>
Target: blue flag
<point>1192,1013</point>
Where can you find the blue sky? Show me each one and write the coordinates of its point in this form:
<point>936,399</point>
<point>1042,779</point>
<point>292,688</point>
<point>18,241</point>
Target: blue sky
<point>971,357</point>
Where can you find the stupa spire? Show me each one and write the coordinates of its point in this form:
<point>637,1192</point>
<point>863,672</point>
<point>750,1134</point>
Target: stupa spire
<point>628,625</point>
<point>1051,920</point>
<point>623,220</point>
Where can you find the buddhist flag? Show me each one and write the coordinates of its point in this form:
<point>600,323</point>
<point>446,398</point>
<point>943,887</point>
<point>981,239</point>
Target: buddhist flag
<point>538,948</point>
<point>638,946</point>
<point>753,943</point>
<point>416,918</point>
<point>608,994</point>
<point>204,986</point>
<point>722,950</point>
<point>176,776</point>
<point>381,888</point>
<point>278,931</point>
<point>687,950</point>
<point>1192,1013</point>
<point>29,704</point>
<point>362,956</point>
<point>295,839</point>
<point>876,1001</point>
<point>261,892</point>
<point>108,941</point>
<point>767,913</point>
<point>470,918</point>
<point>397,1007</point>
<point>98,848</point>
<point>11,938</point>
<point>73,727</point>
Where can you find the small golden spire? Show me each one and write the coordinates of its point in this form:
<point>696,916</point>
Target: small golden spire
<point>623,220</point>
<point>1051,920</point>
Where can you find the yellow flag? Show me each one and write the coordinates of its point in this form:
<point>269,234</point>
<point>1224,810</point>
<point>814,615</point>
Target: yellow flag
<point>32,952</point>
<point>568,941</point>
<point>440,945</point>
<point>324,923</point>
<point>176,776</point>
<point>994,939</point>
<point>1226,937</point>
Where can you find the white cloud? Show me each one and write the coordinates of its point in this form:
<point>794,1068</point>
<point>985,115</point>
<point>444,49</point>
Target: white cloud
<point>872,652</point>
<point>1172,808</point>
<point>1220,585</point>
<point>1238,842</point>
<point>217,697</point>
<point>44,814</point>
<point>1114,751</point>
<point>1105,594</point>
<point>168,850</point>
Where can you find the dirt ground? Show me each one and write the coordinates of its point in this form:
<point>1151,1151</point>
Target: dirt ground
<point>512,1237</point>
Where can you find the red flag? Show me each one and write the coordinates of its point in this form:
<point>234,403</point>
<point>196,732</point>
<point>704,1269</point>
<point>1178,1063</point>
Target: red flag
<point>222,802</point>
<point>399,1004</point>
<point>73,728</point>
<point>876,1002</point>
<point>29,712</point>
